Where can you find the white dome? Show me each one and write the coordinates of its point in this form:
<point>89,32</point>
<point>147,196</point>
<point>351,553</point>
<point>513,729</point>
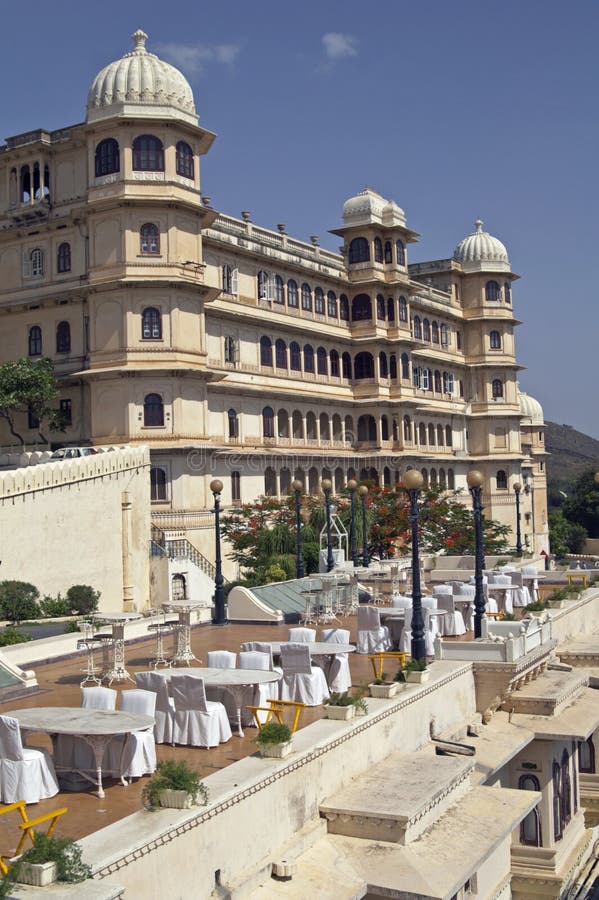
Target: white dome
<point>531,409</point>
<point>480,251</point>
<point>140,84</point>
<point>369,207</point>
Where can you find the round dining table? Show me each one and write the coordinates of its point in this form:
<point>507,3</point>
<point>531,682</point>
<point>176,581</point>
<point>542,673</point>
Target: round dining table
<point>96,727</point>
<point>235,681</point>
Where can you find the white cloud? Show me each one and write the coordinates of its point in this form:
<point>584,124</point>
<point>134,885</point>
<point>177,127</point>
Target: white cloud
<point>339,46</point>
<point>192,58</point>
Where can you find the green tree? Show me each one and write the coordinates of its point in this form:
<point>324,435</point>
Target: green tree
<point>18,601</point>
<point>83,598</point>
<point>582,504</point>
<point>29,387</point>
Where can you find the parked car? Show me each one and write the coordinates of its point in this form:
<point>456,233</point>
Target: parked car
<point>73,452</point>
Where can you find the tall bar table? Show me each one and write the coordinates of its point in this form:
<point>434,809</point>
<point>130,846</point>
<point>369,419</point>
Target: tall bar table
<point>182,629</point>
<point>114,648</point>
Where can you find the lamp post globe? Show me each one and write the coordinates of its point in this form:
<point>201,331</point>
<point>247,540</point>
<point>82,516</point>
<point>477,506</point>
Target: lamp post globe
<point>352,486</point>
<point>363,493</point>
<point>475,481</point>
<point>297,487</point>
<point>327,487</point>
<point>413,481</point>
<point>517,489</point>
<point>216,486</point>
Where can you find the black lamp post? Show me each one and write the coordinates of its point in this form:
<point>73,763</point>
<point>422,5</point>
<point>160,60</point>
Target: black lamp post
<point>475,481</point>
<point>412,483</point>
<point>327,486</point>
<point>363,493</point>
<point>299,565</point>
<point>517,489</point>
<point>220,618</point>
<point>352,486</point>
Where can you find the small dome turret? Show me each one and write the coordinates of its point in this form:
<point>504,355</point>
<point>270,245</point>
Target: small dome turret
<point>140,84</point>
<point>531,409</point>
<point>371,208</point>
<point>481,252</point>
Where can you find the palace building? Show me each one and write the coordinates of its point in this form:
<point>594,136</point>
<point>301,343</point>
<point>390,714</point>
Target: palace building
<point>239,352</point>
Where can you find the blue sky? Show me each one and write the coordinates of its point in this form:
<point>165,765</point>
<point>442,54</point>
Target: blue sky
<point>455,110</point>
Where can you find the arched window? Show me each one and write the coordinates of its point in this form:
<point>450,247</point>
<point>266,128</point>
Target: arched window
<point>349,431</point>
<point>63,257</point>
<point>268,422</point>
<point>433,475</point>
<point>153,410</point>
<point>380,307</point>
<point>319,301</point>
<point>178,587</point>
<point>444,335</point>
<point>497,388</point>
<point>295,359</point>
<point>331,305</point>
<point>363,365</point>
<point>33,265</point>
<point>292,294</point>
<point>384,428</point>
<point>343,308</point>
<point>437,380</point>
<point>235,486</point>
<point>306,297</point>
<point>507,292</point>
<point>390,310</point>
<point>263,286</point>
<point>346,366</point>
<point>425,379</point>
<point>148,154</point>
<point>431,438</point>
<point>361,308</point>
<point>383,370</point>
<point>401,253</point>
<point>557,801</point>
<point>586,756</point>
<point>107,158</point>
<point>405,366</point>
<point>35,341</point>
<point>440,436</point>
<point>334,363</point>
<point>450,479</point>
<point>426,330</point>
<point>270,482</point>
<point>435,333</point>
<point>230,349</point>
<point>407,429</point>
<point>359,251</point>
<point>566,785</point>
<point>63,337</point>
<point>230,280</point>
<point>448,437</point>
<point>442,478</point>
<point>422,434</point>
<point>448,382</point>
<point>265,351</point>
<point>233,423</point>
<point>321,361</point>
<point>151,324</point>
<point>280,354</point>
<point>495,340</point>
<point>403,309</point>
<point>157,483</point>
<point>501,479</point>
<point>393,366</point>
<point>492,291</point>
<point>278,293</point>
<point>325,427</point>
<point>378,250</point>
<point>530,826</point>
<point>417,327</point>
<point>149,238</point>
<point>388,252</point>
<point>184,160</point>
<point>308,358</point>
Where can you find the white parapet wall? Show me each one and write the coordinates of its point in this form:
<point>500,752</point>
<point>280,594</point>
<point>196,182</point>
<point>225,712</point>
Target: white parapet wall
<point>81,521</point>
<point>499,641</point>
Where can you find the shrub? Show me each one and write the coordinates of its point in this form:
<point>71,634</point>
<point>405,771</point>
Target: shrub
<point>274,733</point>
<point>174,776</point>
<point>18,601</point>
<point>83,598</point>
<point>61,850</point>
<point>53,607</point>
<point>11,636</point>
<point>336,699</point>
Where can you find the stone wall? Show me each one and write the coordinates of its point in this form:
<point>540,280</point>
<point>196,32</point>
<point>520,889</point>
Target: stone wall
<point>81,521</point>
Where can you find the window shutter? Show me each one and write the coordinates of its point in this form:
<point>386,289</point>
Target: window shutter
<point>26,265</point>
<point>234,281</point>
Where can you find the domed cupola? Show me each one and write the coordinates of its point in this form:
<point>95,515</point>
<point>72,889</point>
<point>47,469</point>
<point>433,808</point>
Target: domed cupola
<point>481,252</point>
<point>530,409</point>
<point>139,84</point>
<point>365,208</point>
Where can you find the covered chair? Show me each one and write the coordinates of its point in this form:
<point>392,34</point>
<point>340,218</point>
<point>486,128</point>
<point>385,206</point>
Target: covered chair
<point>339,675</point>
<point>505,597</point>
<point>521,596</point>
<point>302,682</point>
<point>405,643</point>
<point>223,659</point>
<point>263,647</point>
<point>372,636</point>
<point>198,722</point>
<point>531,579</point>
<point>255,659</point>
<point>98,698</point>
<point>71,752</point>
<point>464,595</point>
<point>302,635</point>
<point>164,713</point>
<point>399,601</point>
<point>134,755</point>
<point>452,623</point>
<point>25,774</point>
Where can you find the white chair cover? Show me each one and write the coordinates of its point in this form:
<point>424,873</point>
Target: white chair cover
<point>521,595</point>
<point>452,623</point>
<point>263,647</point>
<point>400,602</point>
<point>302,682</point>
<point>372,636</point>
<point>256,659</point>
<point>507,597</point>
<point>222,659</point>
<point>98,698</point>
<point>406,636</point>
<point>134,755</point>
<point>164,713</point>
<point>25,774</point>
<point>530,573</point>
<point>302,635</point>
<point>339,675</point>
<point>198,722</point>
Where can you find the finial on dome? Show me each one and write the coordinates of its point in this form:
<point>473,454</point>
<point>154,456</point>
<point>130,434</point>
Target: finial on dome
<point>139,38</point>
<point>479,226</point>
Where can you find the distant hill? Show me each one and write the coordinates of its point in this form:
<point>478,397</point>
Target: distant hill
<point>571,453</point>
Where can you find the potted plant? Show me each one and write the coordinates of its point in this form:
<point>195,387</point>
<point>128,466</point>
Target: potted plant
<point>174,785</point>
<point>274,740</point>
<point>50,859</point>
<point>360,705</point>
<point>416,671</point>
<point>340,706</point>
<point>382,688</point>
